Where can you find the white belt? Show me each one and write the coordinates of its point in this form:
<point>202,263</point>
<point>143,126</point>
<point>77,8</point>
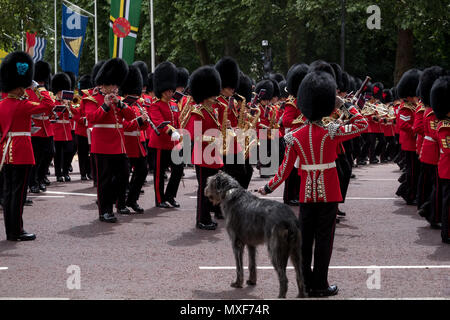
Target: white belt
<point>62,121</point>
<point>110,126</point>
<point>18,134</point>
<point>429,138</point>
<point>133,134</point>
<point>314,167</point>
<point>41,118</point>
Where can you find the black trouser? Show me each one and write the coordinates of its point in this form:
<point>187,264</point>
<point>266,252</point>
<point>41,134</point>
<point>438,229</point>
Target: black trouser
<point>365,143</point>
<point>389,151</point>
<point>433,207</point>
<point>93,161</point>
<point>344,170</point>
<point>292,186</point>
<point>139,166</point>
<point>445,229</point>
<point>63,158</point>
<point>348,146</point>
<point>204,206</point>
<point>317,223</point>
<point>235,170</point>
<point>15,182</point>
<point>74,146</point>
<point>412,175</point>
<point>427,177</point>
<point>381,145</point>
<point>83,155</point>
<point>163,160</point>
<point>43,150</point>
<point>356,144</point>
<point>112,179</point>
<point>150,158</point>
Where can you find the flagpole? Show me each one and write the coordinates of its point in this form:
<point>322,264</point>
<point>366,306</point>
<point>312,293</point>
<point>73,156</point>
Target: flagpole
<point>95,23</point>
<point>56,44</point>
<point>152,36</point>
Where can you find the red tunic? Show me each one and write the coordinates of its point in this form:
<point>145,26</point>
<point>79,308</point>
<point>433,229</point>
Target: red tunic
<point>80,117</point>
<point>159,112</point>
<point>62,127</point>
<point>107,134</point>
<point>40,120</point>
<point>206,153</point>
<point>430,148</point>
<point>406,122</point>
<point>418,127</point>
<point>317,146</point>
<point>15,126</point>
<point>444,145</point>
<point>133,135</point>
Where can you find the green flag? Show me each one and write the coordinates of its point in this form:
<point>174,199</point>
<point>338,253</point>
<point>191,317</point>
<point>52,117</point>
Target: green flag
<point>124,24</point>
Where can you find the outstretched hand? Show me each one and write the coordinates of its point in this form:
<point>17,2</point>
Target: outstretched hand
<point>262,191</point>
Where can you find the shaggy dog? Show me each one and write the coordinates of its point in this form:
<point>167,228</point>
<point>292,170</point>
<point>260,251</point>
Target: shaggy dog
<point>252,221</point>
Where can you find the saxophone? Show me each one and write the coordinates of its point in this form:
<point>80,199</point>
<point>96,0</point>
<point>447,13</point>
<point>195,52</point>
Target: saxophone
<point>225,146</point>
<point>186,112</point>
<point>251,124</point>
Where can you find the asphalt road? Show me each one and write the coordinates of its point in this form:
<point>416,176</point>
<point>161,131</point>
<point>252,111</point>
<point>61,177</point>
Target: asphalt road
<point>160,254</point>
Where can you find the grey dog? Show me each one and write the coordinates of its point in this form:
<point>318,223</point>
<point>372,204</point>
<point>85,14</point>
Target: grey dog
<point>253,221</point>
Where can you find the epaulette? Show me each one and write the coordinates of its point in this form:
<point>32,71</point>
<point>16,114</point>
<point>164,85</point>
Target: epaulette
<point>198,110</point>
<point>291,100</point>
<point>409,106</point>
<point>421,109</point>
<point>289,139</point>
<point>34,103</point>
<point>444,123</point>
<point>90,98</point>
<point>299,120</point>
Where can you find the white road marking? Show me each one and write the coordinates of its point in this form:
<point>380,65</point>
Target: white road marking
<point>72,193</point>
<point>336,267</point>
<point>376,179</point>
<point>59,197</point>
<point>32,298</point>
<point>348,198</point>
<point>3,268</point>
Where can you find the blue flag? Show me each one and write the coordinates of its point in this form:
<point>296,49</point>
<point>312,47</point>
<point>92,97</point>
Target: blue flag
<point>72,39</point>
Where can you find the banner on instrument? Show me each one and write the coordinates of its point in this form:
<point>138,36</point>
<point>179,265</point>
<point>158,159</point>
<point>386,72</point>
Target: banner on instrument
<point>124,24</point>
<point>72,38</point>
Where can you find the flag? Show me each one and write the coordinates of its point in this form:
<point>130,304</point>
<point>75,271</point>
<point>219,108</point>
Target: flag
<point>72,38</point>
<point>124,24</point>
<point>35,46</point>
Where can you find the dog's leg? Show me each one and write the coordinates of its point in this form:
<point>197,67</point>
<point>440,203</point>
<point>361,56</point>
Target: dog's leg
<point>296,259</point>
<point>238,249</point>
<point>279,254</point>
<point>252,265</point>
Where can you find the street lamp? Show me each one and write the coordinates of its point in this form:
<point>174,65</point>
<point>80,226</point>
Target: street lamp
<point>267,58</point>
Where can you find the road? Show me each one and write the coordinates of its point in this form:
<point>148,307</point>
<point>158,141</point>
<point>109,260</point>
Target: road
<point>160,254</point>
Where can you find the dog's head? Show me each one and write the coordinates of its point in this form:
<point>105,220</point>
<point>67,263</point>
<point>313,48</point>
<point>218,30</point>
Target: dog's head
<point>218,185</point>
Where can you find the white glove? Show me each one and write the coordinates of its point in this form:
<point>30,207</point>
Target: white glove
<point>175,136</point>
<point>34,84</point>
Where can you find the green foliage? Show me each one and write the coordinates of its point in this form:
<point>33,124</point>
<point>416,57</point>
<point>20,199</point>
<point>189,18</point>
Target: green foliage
<point>190,33</point>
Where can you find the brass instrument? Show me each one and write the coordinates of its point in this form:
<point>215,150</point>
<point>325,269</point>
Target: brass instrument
<point>241,119</point>
<point>185,112</point>
<point>224,129</point>
<point>251,124</point>
<point>76,99</point>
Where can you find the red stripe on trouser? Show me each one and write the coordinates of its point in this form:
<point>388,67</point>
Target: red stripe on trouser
<point>98,184</point>
<point>157,175</point>
<point>436,200</point>
<point>25,183</point>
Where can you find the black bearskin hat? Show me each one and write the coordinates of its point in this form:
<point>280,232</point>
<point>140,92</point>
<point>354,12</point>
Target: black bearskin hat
<point>73,79</point>
<point>142,66</point>
<point>204,83</point>
<point>245,87</point>
<point>266,85</point>
<point>229,72</point>
<point>182,77</point>
<point>84,82</point>
<point>16,71</point>
<point>387,96</point>
<point>278,77</point>
<point>377,90</point>
<point>150,83</point>
<point>276,88</point>
<point>347,85</point>
<point>317,95</point>
<point>42,71</point>
<point>295,77</point>
<point>407,85</point>
<point>113,72</point>
<point>426,81</point>
<point>338,73</point>
<point>440,97</point>
<point>95,69</point>
<point>164,78</point>
<point>283,89</point>
<point>358,83</point>
<point>61,81</point>
<point>133,83</point>
<point>320,65</point>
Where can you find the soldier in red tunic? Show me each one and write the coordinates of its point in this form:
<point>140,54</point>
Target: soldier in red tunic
<point>105,114</point>
<point>440,102</point>
<point>62,128</point>
<point>134,138</point>
<point>407,91</point>
<point>316,145</point>
<point>204,129</point>
<point>42,140</point>
<point>16,151</point>
<point>165,80</point>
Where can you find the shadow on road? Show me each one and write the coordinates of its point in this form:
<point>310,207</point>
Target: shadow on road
<point>94,229</point>
<point>195,237</point>
<point>6,245</point>
<point>431,237</point>
<point>243,293</point>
